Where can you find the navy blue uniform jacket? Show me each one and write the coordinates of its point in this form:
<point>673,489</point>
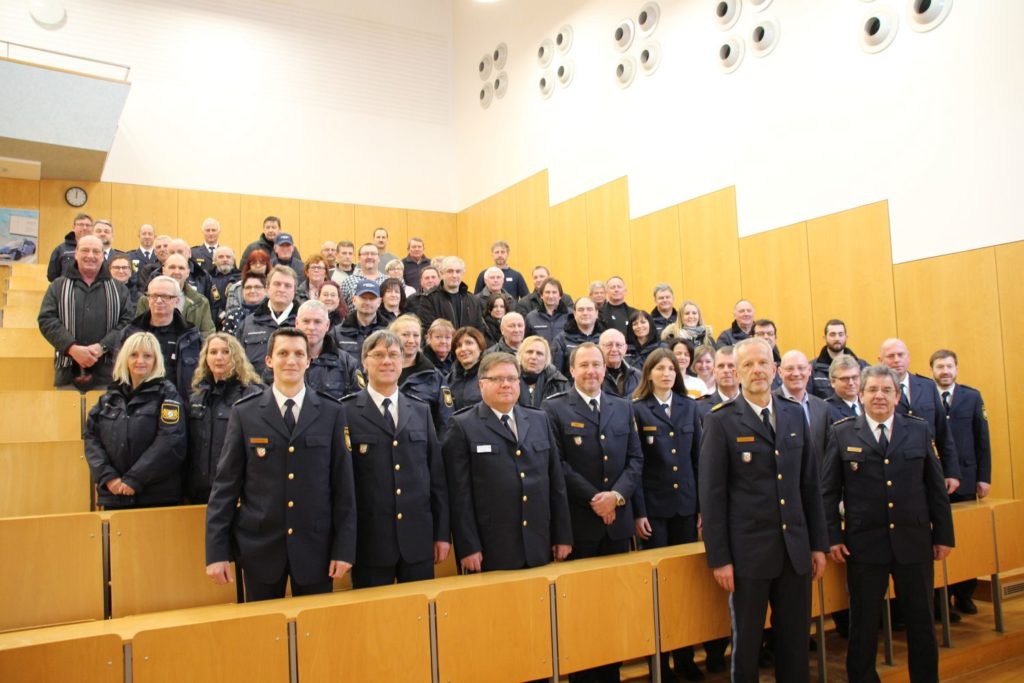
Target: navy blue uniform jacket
<point>925,403</point>
<point>300,483</point>
<point>896,503</point>
<point>969,425</point>
<point>599,453</point>
<point>401,494</point>
<point>760,498</point>
<point>671,447</point>
<point>508,499</point>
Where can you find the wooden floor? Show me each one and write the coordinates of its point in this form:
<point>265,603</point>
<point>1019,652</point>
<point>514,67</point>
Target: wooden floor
<point>978,654</point>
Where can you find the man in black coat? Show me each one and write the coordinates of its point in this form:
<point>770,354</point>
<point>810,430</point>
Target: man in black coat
<point>451,299</point>
<point>968,422</point>
<point>283,493</point>
<point>764,528</point>
<point>401,491</point>
<point>509,508</point>
<point>602,462</point>
<point>884,469</point>
<point>918,397</point>
<point>63,254</point>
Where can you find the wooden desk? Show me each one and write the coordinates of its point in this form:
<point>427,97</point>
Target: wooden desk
<point>975,553</point>
<point>692,607</point>
<point>53,572</point>
<point>21,316</point>
<point>22,416</point>
<point>43,478</point>
<point>93,659</point>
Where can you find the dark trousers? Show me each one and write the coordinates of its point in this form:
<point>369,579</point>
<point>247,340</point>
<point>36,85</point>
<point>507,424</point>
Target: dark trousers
<point>867,584</point>
<point>666,531</point>
<point>256,590</point>
<point>790,596</point>
<point>609,673</point>
<point>364,576</point>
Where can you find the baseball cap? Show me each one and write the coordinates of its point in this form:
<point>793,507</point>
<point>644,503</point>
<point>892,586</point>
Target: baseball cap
<point>284,238</point>
<point>367,287</point>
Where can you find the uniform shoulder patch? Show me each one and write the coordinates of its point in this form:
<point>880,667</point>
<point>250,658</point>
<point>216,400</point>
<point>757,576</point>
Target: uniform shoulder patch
<point>329,397</point>
<point>348,397</point>
<point>446,394</point>
<point>170,413</point>
<point>248,398</point>
<point>464,409</point>
<point>718,406</point>
<point>845,419</point>
<point>360,379</point>
<point>559,394</point>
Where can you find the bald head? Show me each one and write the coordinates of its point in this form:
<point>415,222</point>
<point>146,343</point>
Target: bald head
<point>613,344</point>
<point>89,255</point>
<point>895,354</point>
<point>795,371</point>
<point>513,329</point>
<point>180,247</point>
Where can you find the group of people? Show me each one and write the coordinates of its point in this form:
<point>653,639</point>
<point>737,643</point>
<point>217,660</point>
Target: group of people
<point>348,418</point>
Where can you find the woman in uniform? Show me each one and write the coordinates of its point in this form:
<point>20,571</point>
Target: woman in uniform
<point>224,376</point>
<point>135,434</point>
<point>539,377</point>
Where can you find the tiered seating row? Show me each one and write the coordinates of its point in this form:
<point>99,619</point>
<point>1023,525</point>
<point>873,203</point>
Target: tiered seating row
<point>506,625</point>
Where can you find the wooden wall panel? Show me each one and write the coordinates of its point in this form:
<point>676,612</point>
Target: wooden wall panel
<point>497,221</point>
<point>437,230</point>
<point>55,216</point>
<point>532,247</point>
<point>19,194</point>
<point>935,310</point>
<point>369,218</point>
<point>195,206</point>
<point>570,245</point>
<point>656,256</point>
<point>1009,266</point>
<point>709,237</point>
<point>776,279</point>
<point>323,221</point>
<point>133,205</point>
<point>850,259</point>
<point>467,224</point>
<point>255,208</point>
<point>608,245</point>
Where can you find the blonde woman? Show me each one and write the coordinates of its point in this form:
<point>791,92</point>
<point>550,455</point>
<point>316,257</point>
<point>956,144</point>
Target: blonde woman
<point>135,434</point>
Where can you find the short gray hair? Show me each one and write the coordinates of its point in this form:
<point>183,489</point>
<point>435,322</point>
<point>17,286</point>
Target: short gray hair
<point>313,305</point>
<point>879,370</point>
<point>842,362</point>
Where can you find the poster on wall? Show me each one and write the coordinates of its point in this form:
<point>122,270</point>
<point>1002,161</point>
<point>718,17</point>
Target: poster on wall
<point>19,236</point>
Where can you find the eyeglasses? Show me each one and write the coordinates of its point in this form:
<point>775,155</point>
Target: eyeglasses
<point>385,355</point>
<point>253,288</point>
<point>120,267</point>
<point>162,297</point>
<point>508,379</point>
<point>316,266</point>
<point>851,378</point>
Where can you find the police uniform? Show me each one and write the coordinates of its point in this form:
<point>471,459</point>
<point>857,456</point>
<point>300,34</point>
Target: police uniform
<point>138,436</point>
<point>285,501</point>
<point>896,509</point>
<point>208,410</point>
<point>667,496</point>
<point>839,408</point>
<point>925,403</point>
<point>508,498</point>
<point>761,508</point>
<point>401,493</point>
<point>600,451</point>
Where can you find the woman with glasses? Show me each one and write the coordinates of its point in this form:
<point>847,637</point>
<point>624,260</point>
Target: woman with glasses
<point>315,270</point>
<point>120,267</point>
<point>258,263</point>
<point>392,299</point>
<point>135,438</point>
<point>224,376</point>
<point>254,292</point>
<point>330,297</point>
<point>665,505</point>
<point>468,344</point>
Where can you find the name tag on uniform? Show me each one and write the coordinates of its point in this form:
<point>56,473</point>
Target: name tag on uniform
<point>483,448</point>
<point>258,439</point>
<point>854,449</point>
<point>744,439</point>
<point>651,429</point>
<point>508,279</point>
<point>577,425</point>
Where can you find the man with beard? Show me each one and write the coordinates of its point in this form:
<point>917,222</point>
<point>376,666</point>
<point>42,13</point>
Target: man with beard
<point>835,346</point>
<point>224,273</point>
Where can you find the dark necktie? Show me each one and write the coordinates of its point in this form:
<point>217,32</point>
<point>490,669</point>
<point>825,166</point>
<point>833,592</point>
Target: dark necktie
<point>593,406</point>
<point>904,401</point>
<point>667,408</point>
<point>883,441</point>
<point>945,401</point>
<point>505,420</point>
<point>388,418</point>
<point>766,417</point>
<point>289,415</point>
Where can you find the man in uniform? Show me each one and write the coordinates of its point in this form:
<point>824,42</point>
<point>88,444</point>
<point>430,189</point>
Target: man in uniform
<point>727,386</point>
<point>968,421</point>
<point>144,254</point>
<point>204,253</point>
<point>283,495</point>
<point>401,492</point>
<point>508,503</point>
<point>223,274</point>
<point>64,254</point>
<point>602,462</point>
<point>844,376</point>
<point>835,346</point>
<point>919,397</point>
<point>742,325</point>
<point>278,310</point>
<point>764,528</point>
<point>883,468</point>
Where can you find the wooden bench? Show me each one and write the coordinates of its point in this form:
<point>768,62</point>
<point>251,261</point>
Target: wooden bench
<point>53,571</point>
<point>44,478</point>
<point>21,317</point>
<point>157,561</point>
<point>37,416</point>
<point>26,359</point>
<point>91,659</point>
<point>20,298</point>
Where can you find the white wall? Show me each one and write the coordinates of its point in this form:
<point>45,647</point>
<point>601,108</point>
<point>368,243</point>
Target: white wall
<point>933,123</point>
<point>342,101</point>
